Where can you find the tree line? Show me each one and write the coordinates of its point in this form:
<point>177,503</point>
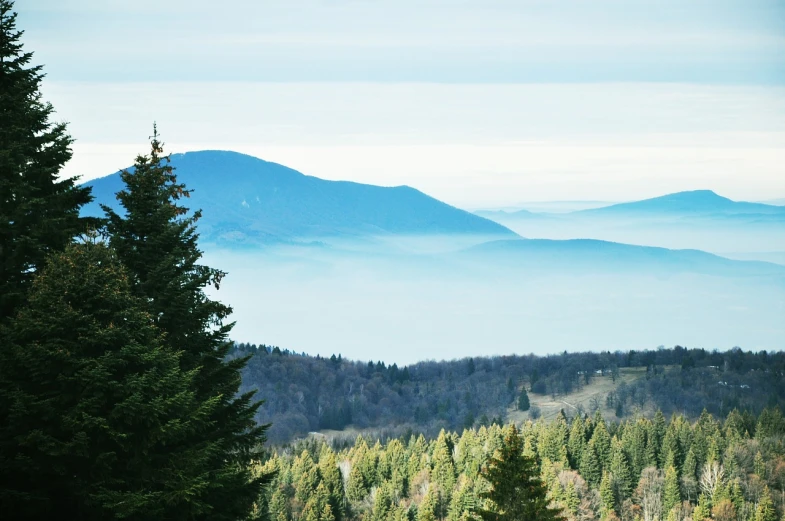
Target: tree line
<point>117,398</point>
<point>306,393</point>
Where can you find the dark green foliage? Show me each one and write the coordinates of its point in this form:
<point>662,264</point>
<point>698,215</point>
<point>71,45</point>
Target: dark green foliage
<point>672,492</point>
<point>608,496</point>
<point>39,213</point>
<point>590,466</point>
<point>523,401</point>
<point>517,492</point>
<point>100,413</point>
<point>431,396</point>
<point>156,240</point>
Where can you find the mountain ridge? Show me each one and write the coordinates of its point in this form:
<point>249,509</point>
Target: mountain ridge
<point>599,254</point>
<point>268,202</point>
<point>690,202</point>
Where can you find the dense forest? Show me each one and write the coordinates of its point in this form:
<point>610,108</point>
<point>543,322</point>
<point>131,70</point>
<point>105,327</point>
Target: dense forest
<point>635,469</point>
<point>304,393</point>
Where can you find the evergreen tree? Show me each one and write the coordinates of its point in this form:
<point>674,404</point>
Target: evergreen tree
<point>607,496</point>
<point>383,504</point>
<point>759,465</point>
<point>702,510</point>
<point>39,213</point>
<point>331,477</point>
<point>356,489</point>
<point>765,509</point>
<point>156,240</point>
<point>576,442</point>
<point>279,506</point>
<point>602,443</point>
<point>590,465</point>
<point>770,423</point>
<point>426,511</point>
<point>690,467</point>
<point>523,401</point>
<point>571,499</point>
<point>516,491</point>
<point>443,472</point>
<point>672,492</point>
<point>100,410</point>
<point>620,469</point>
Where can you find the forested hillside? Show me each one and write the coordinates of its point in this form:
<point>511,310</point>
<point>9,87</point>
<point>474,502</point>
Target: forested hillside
<point>305,394</point>
<point>635,469</point>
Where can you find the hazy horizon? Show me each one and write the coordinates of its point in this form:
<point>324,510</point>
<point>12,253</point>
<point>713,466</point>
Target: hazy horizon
<point>479,105</point>
<point>549,106</point>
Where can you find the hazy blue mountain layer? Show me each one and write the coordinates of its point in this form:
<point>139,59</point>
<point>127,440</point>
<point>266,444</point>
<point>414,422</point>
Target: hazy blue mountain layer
<point>247,201</point>
<point>692,203</point>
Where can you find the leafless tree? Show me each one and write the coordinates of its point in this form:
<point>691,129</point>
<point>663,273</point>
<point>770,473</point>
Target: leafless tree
<point>649,493</point>
<point>711,478</point>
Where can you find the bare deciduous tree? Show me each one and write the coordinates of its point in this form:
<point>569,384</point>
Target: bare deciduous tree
<point>711,478</point>
<point>649,493</point>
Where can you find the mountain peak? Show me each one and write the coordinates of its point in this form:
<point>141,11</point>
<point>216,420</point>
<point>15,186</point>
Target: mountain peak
<point>248,200</point>
<point>684,203</point>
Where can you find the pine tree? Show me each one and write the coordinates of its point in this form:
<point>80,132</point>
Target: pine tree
<point>770,423</point>
<point>702,510</point>
<point>426,510</point>
<point>331,477</point>
<point>382,504</point>
<point>602,444</point>
<point>620,469</point>
<point>523,401</point>
<point>99,408</point>
<point>571,499</point>
<point>672,493</point>
<point>576,442</point>
<point>156,240</point>
<point>690,467</point>
<point>356,489</point>
<point>607,495</point>
<point>759,465</point>
<point>590,467</point>
<point>516,491</point>
<point>39,213</point>
<point>765,509</point>
<point>279,506</point>
<point>443,472</point>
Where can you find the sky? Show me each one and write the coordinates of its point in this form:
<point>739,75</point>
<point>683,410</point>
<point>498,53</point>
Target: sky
<point>482,104</point>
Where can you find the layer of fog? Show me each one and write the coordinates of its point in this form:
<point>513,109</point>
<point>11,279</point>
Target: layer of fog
<point>741,240</point>
<point>403,307</point>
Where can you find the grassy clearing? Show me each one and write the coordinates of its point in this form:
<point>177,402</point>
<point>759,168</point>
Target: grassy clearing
<point>598,389</point>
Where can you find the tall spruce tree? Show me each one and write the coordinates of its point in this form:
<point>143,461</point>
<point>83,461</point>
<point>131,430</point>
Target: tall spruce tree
<point>156,239</point>
<point>523,401</point>
<point>39,213</point>
<point>517,492</point>
<point>99,407</point>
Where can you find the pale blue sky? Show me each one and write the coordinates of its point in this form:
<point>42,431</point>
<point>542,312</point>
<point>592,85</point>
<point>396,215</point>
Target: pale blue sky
<point>479,103</point>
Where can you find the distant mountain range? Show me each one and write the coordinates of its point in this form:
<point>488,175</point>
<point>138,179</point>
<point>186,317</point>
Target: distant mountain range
<point>697,202</point>
<point>247,201</point>
<point>589,255</point>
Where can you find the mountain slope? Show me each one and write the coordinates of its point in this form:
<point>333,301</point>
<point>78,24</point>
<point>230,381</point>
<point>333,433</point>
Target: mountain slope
<point>246,200</point>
